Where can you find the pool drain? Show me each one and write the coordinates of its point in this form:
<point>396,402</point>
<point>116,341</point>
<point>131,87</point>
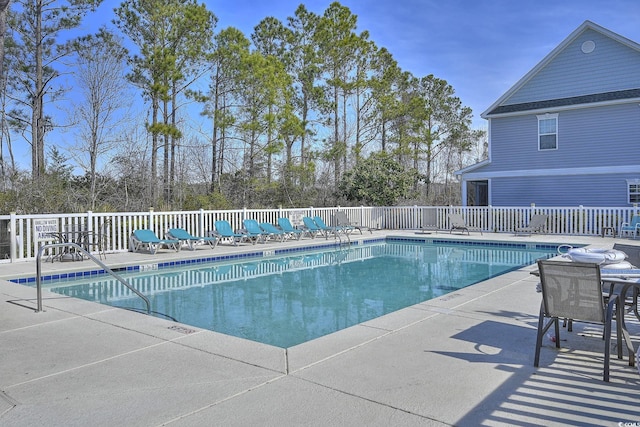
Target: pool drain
<point>182,330</point>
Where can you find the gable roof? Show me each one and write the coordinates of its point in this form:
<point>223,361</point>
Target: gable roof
<point>472,167</point>
<point>502,106</point>
<point>563,102</point>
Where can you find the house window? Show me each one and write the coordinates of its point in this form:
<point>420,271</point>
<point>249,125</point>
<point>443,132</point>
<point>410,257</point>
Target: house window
<point>548,132</point>
<point>633,187</point>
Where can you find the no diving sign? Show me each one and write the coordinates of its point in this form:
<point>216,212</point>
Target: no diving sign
<point>42,229</point>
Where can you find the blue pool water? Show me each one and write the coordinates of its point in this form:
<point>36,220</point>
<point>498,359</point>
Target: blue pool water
<point>284,301</point>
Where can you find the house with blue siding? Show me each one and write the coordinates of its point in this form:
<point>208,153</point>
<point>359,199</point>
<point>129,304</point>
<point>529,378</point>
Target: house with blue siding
<point>568,132</point>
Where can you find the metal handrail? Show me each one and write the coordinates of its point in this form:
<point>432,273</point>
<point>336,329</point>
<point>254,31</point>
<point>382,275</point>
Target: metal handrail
<point>84,252</point>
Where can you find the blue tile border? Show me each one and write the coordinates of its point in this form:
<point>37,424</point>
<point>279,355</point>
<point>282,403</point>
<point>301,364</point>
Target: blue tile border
<point>262,254</point>
<point>514,245</point>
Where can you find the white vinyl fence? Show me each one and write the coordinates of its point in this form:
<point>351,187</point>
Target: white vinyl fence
<point>22,235</point>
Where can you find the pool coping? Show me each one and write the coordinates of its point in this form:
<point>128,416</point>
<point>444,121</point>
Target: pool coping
<point>286,360</point>
<point>214,263</point>
<point>276,252</point>
<point>301,356</point>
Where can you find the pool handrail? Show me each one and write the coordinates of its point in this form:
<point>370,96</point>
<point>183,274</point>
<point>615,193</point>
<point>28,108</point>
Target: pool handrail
<point>94,259</point>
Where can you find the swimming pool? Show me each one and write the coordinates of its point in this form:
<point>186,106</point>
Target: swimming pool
<point>287,300</point>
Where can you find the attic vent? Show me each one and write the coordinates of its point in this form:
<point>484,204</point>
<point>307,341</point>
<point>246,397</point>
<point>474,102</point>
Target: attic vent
<point>588,46</point>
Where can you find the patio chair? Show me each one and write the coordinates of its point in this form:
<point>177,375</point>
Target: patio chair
<point>630,228</point>
<point>96,240</point>
<point>537,224</point>
<point>631,251</point>
<point>313,228</point>
<point>288,228</point>
<point>224,231</point>
<point>633,257</point>
<point>573,290</point>
<point>326,229</point>
<point>255,233</point>
<point>147,239</point>
<point>191,241</point>
<point>274,233</point>
<point>429,221</point>
<point>457,223</point>
<point>343,221</point>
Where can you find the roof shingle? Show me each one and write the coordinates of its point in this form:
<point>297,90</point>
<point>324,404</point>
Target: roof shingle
<point>561,102</point>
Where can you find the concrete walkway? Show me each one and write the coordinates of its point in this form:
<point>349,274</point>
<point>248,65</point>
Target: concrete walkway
<point>463,359</point>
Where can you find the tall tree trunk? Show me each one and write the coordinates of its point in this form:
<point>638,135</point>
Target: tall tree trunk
<point>93,156</point>
<point>269,142</point>
<point>174,139</point>
<point>154,148</point>
<point>214,136</point>
<point>305,115</point>
<point>222,147</point>
<point>288,163</point>
<point>336,137</point>
<point>4,6</point>
<point>343,144</point>
<point>37,117</point>
<point>166,152</point>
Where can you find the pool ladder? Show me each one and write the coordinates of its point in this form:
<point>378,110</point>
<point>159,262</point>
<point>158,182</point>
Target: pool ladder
<point>91,257</point>
<point>337,236</point>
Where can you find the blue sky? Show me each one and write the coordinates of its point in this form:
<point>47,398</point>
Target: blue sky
<point>480,47</point>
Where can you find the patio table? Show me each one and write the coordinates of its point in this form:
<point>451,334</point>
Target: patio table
<point>79,237</point>
<point>59,252</point>
<point>608,230</point>
<point>627,280</point>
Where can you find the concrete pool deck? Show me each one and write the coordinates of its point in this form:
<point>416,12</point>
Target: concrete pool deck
<point>463,359</point>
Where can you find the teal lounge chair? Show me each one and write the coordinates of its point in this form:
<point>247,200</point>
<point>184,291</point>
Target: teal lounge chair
<point>630,228</point>
<point>274,233</point>
<point>191,241</point>
<point>224,231</point>
<point>286,226</point>
<point>313,228</point>
<point>327,229</point>
<point>141,239</point>
<point>254,231</point>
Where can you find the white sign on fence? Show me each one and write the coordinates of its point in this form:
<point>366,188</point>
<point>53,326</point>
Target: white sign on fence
<point>42,229</point>
<point>296,218</point>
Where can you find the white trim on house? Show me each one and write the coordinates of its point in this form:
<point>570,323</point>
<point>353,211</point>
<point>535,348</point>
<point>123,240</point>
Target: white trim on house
<point>635,183</point>
<point>472,167</point>
<point>566,108</point>
<point>599,170</point>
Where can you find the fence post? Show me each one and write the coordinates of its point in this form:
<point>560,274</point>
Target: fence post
<point>89,221</point>
<point>201,231</point>
<point>491,223</point>
<point>150,220</point>
<point>12,236</point>
<point>240,221</point>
